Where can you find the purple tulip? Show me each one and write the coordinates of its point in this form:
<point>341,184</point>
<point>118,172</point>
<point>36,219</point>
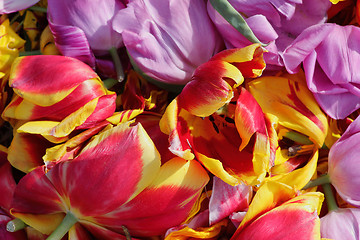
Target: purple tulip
<point>344,164</point>
<point>330,55</point>
<point>167,40</point>
<point>9,6</point>
<point>343,223</point>
<point>277,22</point>
<point>83,28</point>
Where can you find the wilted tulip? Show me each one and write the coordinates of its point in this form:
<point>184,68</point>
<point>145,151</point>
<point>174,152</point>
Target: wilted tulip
<point>166,39</point>
<point>329,53</point>
<point>344,162</point>
<point>114,183</point>
<point>342,223</point>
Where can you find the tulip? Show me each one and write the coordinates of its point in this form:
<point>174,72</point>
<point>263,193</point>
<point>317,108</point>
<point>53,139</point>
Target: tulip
<point>65,94</point>
<point>277,213</point>
<point>9,6</point>
<point>343,163</point>
<point>83,30</point>
<point>165,40</point>
<point>333,82</point>
<point>114,183</point>
<point>276,23</point>
<point>342,223</point>
<point>218,125</point>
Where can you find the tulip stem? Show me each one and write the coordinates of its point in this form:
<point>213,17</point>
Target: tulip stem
<point>117,62</point>
<point>329,196</point>
<point>109,82</point>
<point>319,181</point>
<point>30,53</point>
<point>15,225</point>
<point>38,9</point>
<point>298,137</point>
<point>68,221</point>
<point>229,13</point>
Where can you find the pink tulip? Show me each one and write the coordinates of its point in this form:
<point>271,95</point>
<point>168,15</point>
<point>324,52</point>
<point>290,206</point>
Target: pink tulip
<point>343,166</point>
<point>9,6</point>
<point>343,223</point>
<point>168,40</point>
<point>330,55</point>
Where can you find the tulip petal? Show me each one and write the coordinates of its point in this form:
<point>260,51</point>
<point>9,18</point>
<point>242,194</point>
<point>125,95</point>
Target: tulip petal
<point>26,151</point>
<point>32,83</point>
<point>121,147</point>
<point>226,199</point>
<point>9,6</point>
<point>295,219</point>
<point>293,104</point>
<point>72,42</point>
<point>176,189</point>
<point>7,182</point>
<point>216,89</point>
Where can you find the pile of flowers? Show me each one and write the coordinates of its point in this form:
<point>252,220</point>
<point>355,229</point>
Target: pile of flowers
<point>179,119</point>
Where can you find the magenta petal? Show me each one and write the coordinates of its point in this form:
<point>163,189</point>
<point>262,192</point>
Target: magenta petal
<point>7,182</point>
<point>226,199</point>
<point>72,42</point>
<point>9,6</point>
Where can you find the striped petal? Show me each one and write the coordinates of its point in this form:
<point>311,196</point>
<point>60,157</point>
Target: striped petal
<point>83,182</point>
<point>42,213</point>
<point>275,210</point>
<point>213,82</point>
<point>165,203</point>
<point>174,122</point>
<point>290,100</point>
<point>294,219</point>
<point>26,151</point>
<point>57,77</point>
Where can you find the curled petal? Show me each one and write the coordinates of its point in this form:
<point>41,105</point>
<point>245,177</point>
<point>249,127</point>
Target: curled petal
<point>57,77</point>
<point>293,104</point>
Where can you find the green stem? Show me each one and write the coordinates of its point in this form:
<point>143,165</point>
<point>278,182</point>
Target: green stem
<point>38,9</point>
<point>319,181</point>
<point>233,17</point>
<point>30,53</point>
<point>68,221</point>
<point>298,137</point>
<point>329,197</point>
<point>110,82</point>
<point>117,62</point>
<point>126,232</point>
<point>15,225</point>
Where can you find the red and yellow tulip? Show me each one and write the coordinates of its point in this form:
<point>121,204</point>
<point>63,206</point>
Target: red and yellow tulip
<point>117,181</point>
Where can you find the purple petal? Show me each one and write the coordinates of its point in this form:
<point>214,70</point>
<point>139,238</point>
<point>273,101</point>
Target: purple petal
<point>343,223</point>
<point>166,39</point>
<point>94,18</point>
<point>227,199</point>
<point>9,6</point>
<point>343,166</point>
<point>72,42</point>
